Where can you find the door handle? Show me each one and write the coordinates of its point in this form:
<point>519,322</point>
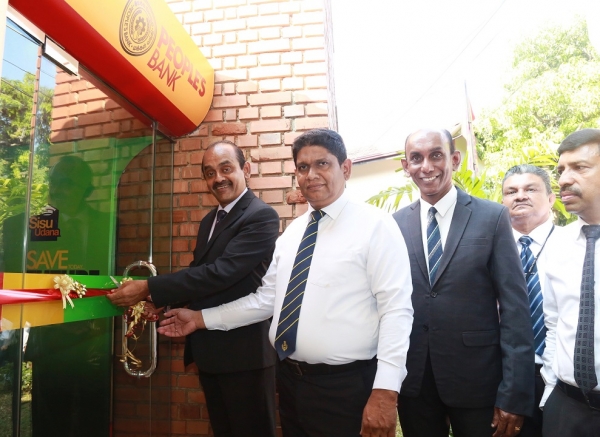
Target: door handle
<point>152,328</point>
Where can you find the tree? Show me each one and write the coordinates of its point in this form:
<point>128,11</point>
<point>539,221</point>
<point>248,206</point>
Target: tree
<point>554,89</point>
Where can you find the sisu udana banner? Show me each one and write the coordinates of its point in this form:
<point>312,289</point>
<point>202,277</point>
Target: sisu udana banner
<point>139,48</point>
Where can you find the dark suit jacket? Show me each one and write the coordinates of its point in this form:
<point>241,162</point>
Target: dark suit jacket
<point>478,358</point>
<point>229,266</point>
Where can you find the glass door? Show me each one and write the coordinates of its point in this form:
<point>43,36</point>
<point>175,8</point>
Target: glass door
<point>85,189</point>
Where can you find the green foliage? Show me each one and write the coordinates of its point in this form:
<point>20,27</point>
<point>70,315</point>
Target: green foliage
<point>553,91</point>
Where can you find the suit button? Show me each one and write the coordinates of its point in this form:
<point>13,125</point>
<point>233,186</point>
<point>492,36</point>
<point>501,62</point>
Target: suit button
<point>425,328</point>
<point>433,294</point>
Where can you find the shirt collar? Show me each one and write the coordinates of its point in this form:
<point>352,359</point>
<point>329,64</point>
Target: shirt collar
<point>444,204</point>
<point>539,234</point>
<point>334,210</point>
<point>230,205</point>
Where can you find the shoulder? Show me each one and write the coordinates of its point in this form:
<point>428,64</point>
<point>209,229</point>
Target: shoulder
<point>483,206</point>
<point>403,212</point>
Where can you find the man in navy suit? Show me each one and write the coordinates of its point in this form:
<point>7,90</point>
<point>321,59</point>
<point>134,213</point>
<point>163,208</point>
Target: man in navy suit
<point>233,250</point>
<point>470,361</point>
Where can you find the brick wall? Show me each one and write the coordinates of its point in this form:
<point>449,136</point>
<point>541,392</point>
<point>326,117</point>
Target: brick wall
<point>271,82</point>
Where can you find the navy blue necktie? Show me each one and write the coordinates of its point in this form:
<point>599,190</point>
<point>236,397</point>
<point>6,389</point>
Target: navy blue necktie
<point>584,368</point>
<point>434,244</point>
<point>285,337</point>
<point>534,290</point>
<point>221,215</point>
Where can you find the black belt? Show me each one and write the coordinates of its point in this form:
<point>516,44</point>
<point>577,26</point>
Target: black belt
<point>301,368</point>
<point>592,399</point>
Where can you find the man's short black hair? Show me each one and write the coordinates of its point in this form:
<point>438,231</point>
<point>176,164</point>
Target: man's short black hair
<point>578,139</point>
<point>326,138</point>
<point>238,152</point>
<point>531,169</point>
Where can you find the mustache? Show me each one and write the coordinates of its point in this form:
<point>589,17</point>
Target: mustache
<point>219,185</point>
<point>571,189</point>
<point>521,204</point>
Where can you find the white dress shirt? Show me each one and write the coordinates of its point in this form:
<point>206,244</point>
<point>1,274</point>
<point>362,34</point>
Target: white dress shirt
<point>445,210</point>
<point>540,236</point>
<point>357,302</point>
<point>227,209</point>
<point>564,256</point>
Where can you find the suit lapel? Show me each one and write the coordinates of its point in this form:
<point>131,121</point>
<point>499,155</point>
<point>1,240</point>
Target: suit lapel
<point>460,218</point>
<point>229,219</point>
<point>416,236</point>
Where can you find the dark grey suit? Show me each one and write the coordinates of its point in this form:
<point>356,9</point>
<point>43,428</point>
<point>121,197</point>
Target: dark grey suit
<point>476,357</point>
<point>228,266</point>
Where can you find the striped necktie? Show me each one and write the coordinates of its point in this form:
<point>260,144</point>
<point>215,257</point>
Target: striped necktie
<point>221,215</point>
<point>285,338</point>
<point>584,368</point>
<point>434,244</point>
<point>534,290</point>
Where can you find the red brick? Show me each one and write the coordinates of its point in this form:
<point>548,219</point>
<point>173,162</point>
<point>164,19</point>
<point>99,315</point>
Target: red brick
<point>268,20</point>
<point>312,123</point>
<point>270,167</point>
<point>196,157</point>
<point>316,109</point>
<point>310,96</point>
<point>284,210</point>
<point>289,167</point>
<point>80,108</point>
<point>189,200</point>
<point>93,131</point>
<point>271,153</point>
<point>301,208</point>
<point>270,85</point>
<point>270,71</point>
<point>293,83</point>
<point>275,196</point>
<point>270,126</point>
<point>199,187</point>
<point>229,101</point>
<point>81,85</point>
<point>247,141</point>
<point>289,137</point>
<point>64,99</point>
<point>270,111</point>
<point>64,123</point>
<point>223,129</point>
<point>63,88</point>
<point>187,144</point>
<point>247,87</point>
<point>87,119</point>
<point>270,139</point>
<point>194,172</point>
<point>228,88</point>
<point>269,46</point>
<point>270,98</point>
<point>230,115</point>
<point>91,94</point>
<point>180,187</point>
<point>231,75</point>
<point>265,183</point>
<point>120,114</point>
<point>110,128</point>
<point>75,134</point>
<point>248,113</point>
<point>213,115</point>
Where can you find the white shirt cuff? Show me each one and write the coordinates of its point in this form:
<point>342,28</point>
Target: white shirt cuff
<point>212,319</point>
<point>388,376</point>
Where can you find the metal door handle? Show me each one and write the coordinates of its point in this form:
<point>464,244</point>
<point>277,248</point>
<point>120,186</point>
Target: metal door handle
<point>153,337</point>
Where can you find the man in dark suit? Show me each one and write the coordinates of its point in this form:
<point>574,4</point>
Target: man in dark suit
<point>470,360</point>
<point>233,250</point>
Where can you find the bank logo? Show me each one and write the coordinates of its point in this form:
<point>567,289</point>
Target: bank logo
<point>44,227</point>
<point>137,31</point>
